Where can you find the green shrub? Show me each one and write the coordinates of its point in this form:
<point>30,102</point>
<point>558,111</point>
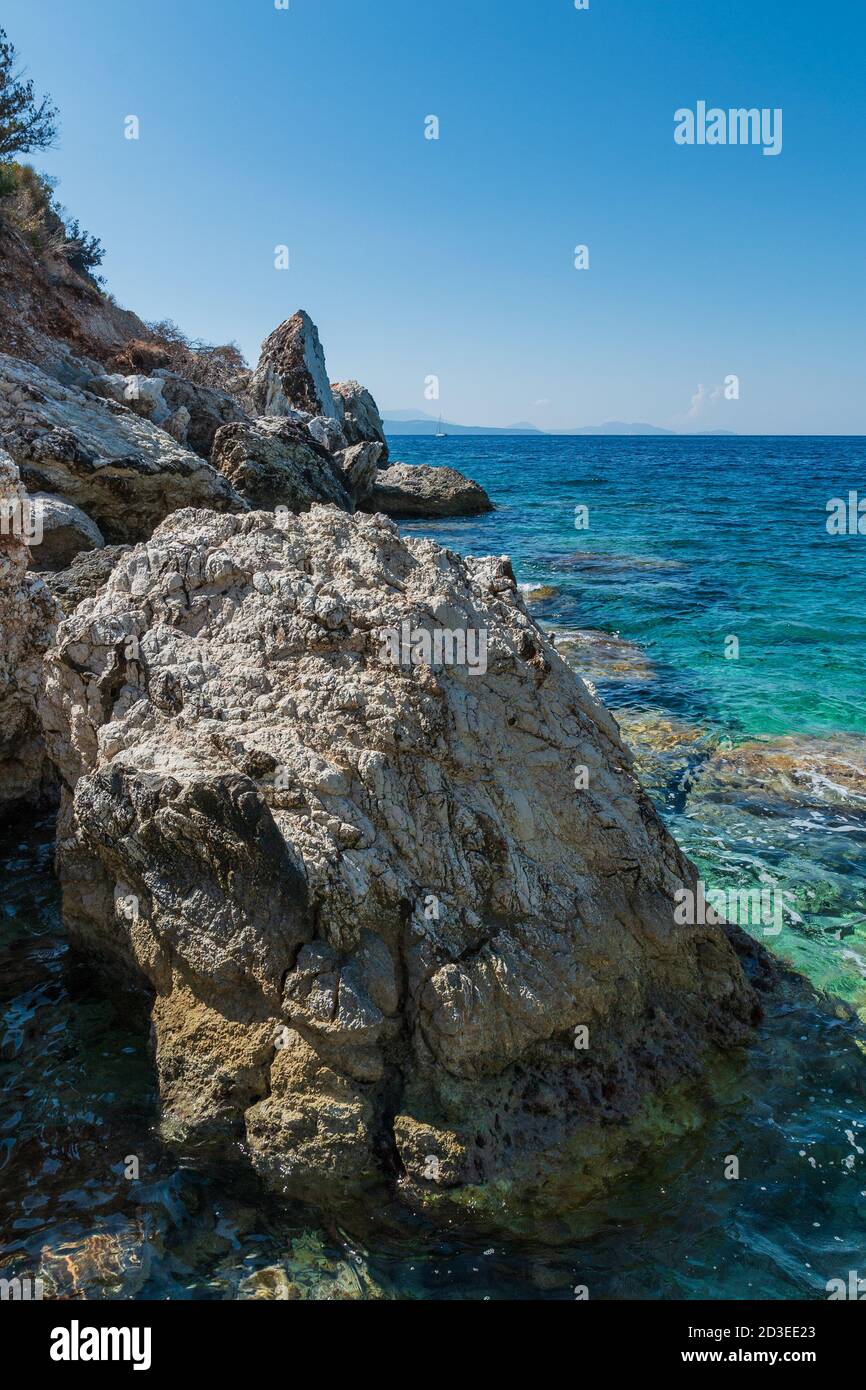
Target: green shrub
<point>28,202</point>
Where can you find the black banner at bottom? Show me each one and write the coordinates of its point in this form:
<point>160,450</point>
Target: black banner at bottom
<point>66,1338</point>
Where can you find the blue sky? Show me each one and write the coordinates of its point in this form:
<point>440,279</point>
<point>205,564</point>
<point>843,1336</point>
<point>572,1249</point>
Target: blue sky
<point>455,257</point>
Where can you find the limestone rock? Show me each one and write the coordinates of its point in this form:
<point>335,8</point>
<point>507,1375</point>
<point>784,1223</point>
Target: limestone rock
<point>418,490</point>
<point>64,532</point>
<point>189,412</point>
<point>353,866</point>
<point>178,424</point>
<point>272,461</point>
<point>207,408</point>
<point>362,422</point>
<point>328,433</point>
<point>27,615</point>
<point>359,465</point>
<point>84,577</point>
<point>142,394</point>
<point>291,373</point>
<point>122,471</point>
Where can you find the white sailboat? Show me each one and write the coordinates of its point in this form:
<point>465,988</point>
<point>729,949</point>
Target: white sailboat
<point>440,433</point>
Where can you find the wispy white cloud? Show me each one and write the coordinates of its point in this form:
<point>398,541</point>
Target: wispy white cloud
<point>703,397</point>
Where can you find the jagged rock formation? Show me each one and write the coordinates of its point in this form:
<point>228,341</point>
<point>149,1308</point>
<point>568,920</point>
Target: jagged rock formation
<point>354,869</point>
<point>27,615</point>
<point>359,465</point>
<point>274,462</point>
<point>362,423</point>
<point>291,373</point>
<point>122,471</point>
<point>418,490</point>
<point>64,531</point>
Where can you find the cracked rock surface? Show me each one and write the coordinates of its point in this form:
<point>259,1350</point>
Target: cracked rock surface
<point>366,898</point>
<point>273,461</point>
<point>122,471</point>
<point>290,374</point>
<point>362,423</point>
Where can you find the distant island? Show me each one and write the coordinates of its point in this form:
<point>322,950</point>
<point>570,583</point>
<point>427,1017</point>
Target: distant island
<point>398,422</point>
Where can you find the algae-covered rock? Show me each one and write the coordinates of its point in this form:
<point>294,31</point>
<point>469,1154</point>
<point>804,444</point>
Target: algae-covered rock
<point>310,1273</point>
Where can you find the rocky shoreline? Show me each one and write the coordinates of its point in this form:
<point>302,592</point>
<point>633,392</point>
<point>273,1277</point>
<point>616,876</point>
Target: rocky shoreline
<point>399,917</point>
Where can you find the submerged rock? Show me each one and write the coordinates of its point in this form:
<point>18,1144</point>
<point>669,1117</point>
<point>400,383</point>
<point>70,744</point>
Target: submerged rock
<point>27,615</point>
<point>104,1265</point>
<point>418,490</point>
<point>374,912</point>
<point>610,562</point>
<point>274,462</point>
<point>788,772</point>
<point>536,594</point>
<point>291,374</point>
<point>604,656</point>
<point>668,751</point>
<point>311,1273</point>
<point>124,472</point>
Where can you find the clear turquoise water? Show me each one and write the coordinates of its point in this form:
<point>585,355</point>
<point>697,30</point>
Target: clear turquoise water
<point>692,540</point>
<point>689,541</point>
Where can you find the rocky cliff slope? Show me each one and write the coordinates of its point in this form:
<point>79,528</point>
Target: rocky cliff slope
<point>54,317</point>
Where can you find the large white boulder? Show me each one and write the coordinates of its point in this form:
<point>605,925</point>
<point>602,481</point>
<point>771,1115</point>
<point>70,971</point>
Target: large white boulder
<point>378,854</point>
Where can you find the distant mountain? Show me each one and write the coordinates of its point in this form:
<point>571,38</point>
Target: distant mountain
<point>617,427</point>
<point>418,422</point>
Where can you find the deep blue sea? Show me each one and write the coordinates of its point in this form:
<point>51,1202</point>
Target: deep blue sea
<point>709,606</point>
